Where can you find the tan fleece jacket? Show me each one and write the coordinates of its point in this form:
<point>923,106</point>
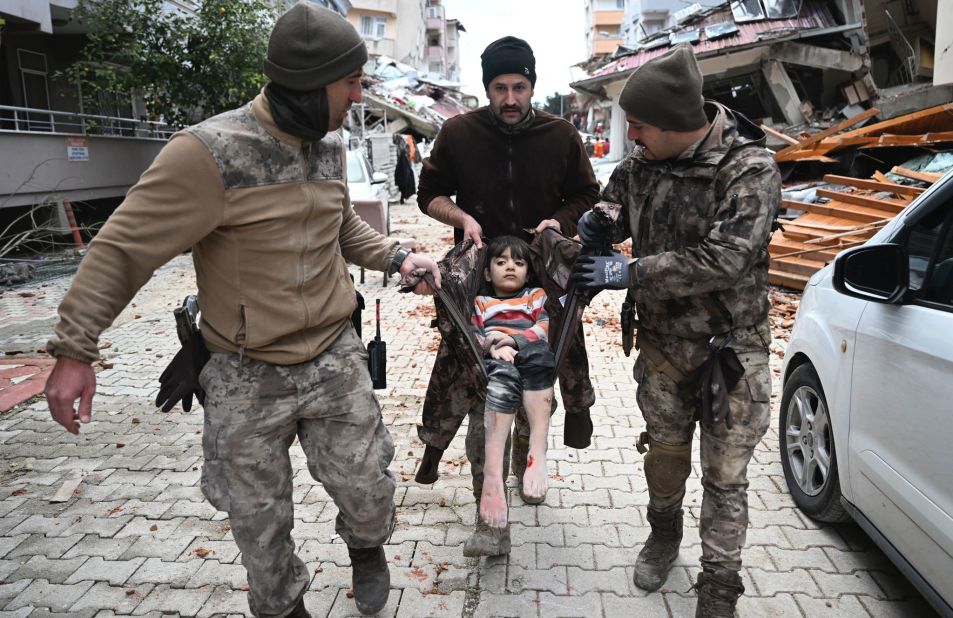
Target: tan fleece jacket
<point>271,226</point>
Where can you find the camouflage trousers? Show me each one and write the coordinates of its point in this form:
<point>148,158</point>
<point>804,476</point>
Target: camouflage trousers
<point>457,390</point>
<point>670,418</point>
<point>253,412</point>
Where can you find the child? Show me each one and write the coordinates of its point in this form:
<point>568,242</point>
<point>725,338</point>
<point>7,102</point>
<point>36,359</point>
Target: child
<point>512,326</point>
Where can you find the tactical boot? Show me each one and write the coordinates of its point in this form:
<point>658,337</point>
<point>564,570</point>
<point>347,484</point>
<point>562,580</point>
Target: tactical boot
<point>370,579</point>
<point>299,610</point>
<point>487,541</point>
<point>660,550</point>
<point>718,592</point>
<point>519,456</point>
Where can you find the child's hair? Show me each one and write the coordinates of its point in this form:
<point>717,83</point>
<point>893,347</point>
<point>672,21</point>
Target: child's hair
<point>519,248</point>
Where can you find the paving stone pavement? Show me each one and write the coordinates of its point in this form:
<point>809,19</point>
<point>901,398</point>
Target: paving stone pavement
<point>138,538</point>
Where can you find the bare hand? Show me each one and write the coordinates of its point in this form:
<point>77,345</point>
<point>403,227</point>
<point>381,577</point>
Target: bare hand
<point>545,223</point>
<point>473,231</point>
<point>69,380</point>
<point>414,267</point>
<point>504,352</point>
<point>496,339</point>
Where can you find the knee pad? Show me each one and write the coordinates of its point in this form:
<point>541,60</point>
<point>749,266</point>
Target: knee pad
<point>667,467</point>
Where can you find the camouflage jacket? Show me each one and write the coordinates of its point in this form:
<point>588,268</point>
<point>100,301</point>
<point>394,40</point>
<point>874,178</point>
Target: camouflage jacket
<point>700,226</point>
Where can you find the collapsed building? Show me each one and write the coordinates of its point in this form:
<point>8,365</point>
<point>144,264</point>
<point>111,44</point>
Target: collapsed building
<point>399,101</point>
<point>796,64</point>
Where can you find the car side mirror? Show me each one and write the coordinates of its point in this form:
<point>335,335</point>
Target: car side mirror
<point>378,177</point>
<point>880,273</point>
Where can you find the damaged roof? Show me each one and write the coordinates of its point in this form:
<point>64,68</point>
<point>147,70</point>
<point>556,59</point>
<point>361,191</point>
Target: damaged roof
<point>723,28</point>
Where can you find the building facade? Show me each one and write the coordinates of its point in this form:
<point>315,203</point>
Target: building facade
<point>411,33</point>
<point>604,19</point>
<point>645,17</point>
<point>376,21</point>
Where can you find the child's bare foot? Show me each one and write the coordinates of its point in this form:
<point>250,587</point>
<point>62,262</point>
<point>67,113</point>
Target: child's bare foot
<point>536,477</point>
<point>493,503</point>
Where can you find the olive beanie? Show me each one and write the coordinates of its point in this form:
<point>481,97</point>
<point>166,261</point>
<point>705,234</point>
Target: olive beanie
<point>312,46</point>
<point>666,92</point>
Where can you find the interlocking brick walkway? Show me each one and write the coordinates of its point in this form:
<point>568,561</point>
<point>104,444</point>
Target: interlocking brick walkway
<point>138,538</point>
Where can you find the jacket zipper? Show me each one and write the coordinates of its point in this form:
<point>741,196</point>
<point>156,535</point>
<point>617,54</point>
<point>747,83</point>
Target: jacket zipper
<point>306,154</point>
<point>642,215</point>
<point>242,334</point>
<point>509,176</point>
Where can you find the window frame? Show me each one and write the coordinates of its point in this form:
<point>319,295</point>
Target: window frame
<point>943,201</point>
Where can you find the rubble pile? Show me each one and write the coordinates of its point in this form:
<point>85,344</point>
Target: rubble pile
<point>422,102</point>
<point>824,217</point>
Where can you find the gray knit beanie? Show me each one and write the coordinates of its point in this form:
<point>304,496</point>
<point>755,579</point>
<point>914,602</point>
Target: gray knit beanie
<point>666,92</point>
<point>312,46</point>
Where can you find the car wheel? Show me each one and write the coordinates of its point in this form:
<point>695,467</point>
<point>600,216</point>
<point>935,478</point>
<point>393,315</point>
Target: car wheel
<point>807,447</point>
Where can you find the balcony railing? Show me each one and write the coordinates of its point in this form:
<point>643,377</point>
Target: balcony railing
<point>380,47</point>
<point>31,120</point>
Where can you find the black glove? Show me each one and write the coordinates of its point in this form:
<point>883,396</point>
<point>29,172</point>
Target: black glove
<point>180,380</point>
<point>593,230</point>
<point>601,272</point>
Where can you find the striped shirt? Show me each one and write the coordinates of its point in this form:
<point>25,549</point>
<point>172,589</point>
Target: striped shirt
<point>522,316</point>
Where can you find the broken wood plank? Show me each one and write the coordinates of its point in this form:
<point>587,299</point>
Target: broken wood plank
<point>884,204</point>
<point>887,140</point>
<point>927,177</point>
<point>784,137</point>
<point>781,246</point>
<point>812,236</point>
<point>788,280</point>
<point>797,265</point>
<point>808,157</point>
<point>873,185</point>
<point>825,254</point>
<point>851,212</point>
<point>67,489</point>
<point>940,111</point>
<point>837,128</point>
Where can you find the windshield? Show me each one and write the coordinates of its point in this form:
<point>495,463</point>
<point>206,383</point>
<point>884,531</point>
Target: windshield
<point>355,172</point>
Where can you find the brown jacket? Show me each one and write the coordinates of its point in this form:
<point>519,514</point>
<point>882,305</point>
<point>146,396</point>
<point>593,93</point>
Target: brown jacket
<point>508,182</point>
<point>271,226</point>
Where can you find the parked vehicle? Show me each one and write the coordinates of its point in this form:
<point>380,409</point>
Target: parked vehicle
<point>364,184</point>
<point>866,419</point>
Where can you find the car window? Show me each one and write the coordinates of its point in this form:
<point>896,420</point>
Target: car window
<point>355,171</point>
<point>922,243</point>
<point>939,284</point>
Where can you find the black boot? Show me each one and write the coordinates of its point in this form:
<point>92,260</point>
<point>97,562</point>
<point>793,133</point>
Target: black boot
<point>427,470</point>
<point>718,593</point>
<point>299,611</point>
<point>487,541</point>
<point>370,579</point>
<point>660,550</point>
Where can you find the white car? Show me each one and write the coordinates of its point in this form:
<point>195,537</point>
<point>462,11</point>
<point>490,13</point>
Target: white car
<point>866,420</point>
<point>364,184</point>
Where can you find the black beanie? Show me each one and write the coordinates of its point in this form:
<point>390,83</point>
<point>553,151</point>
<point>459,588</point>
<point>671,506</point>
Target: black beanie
<point>666,92</point>
<point>508,55</point>
<point>312,46</point>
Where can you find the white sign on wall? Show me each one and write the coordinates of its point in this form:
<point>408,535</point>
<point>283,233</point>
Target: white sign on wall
<point>77,149</point>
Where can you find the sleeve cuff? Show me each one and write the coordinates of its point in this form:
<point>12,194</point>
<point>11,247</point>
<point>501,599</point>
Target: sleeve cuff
<point>520,340</point>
